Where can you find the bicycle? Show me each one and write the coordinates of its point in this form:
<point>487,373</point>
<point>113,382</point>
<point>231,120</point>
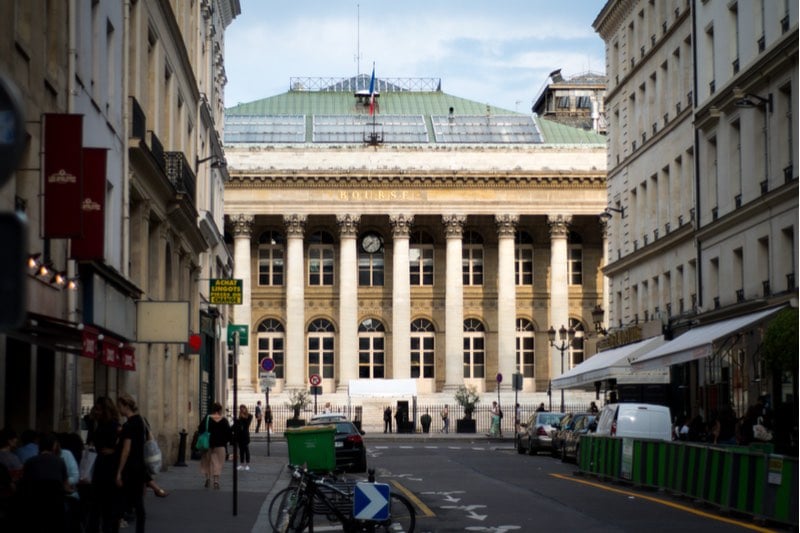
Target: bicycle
<point>294,508</point>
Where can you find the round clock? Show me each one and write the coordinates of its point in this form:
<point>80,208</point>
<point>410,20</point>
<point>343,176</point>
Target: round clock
<point>371,243</point>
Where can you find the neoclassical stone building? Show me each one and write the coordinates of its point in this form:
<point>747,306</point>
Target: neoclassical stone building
<point>436,240</point>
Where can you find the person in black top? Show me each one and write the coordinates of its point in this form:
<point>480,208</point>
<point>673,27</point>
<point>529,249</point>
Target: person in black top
<point>104,491</point>
<point>212,459</point>
<point>131,470</point>
<point>43,487</point>
<point>241,430</point>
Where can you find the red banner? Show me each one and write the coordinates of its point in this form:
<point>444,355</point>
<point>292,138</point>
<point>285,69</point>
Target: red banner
<point>128,354</point>
<point>90,342</point>
<point>63,139</point>
<point>91,246</point>
<point>111,352</point>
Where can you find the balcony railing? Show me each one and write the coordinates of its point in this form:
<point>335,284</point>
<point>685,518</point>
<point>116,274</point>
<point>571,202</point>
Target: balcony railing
<point>138,120</point>
<point>156,148</point>
<point>739,295</point>
<point>180,174</point>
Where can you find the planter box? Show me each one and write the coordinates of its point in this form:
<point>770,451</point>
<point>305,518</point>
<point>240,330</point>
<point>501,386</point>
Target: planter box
<point>292,423</point>
<point>465,426</point>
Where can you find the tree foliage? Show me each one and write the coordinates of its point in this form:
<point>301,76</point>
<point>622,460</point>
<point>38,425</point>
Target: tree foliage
<point>467,397</point>
<point>780,344</point>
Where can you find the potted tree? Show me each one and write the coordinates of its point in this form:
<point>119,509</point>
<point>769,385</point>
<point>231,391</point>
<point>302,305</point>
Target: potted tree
<point>467,397</point>
<point>425,420</point>
<point>298,400</point>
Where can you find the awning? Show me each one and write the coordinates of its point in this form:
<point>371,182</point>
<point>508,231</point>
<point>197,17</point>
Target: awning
<point>382,387</point>
<point>613,364</point>
<point>699,342</point>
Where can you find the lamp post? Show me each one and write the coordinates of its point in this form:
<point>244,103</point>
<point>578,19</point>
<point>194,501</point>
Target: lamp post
<point>565,337</point>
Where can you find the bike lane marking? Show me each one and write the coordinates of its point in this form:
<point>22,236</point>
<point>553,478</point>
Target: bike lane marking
<point>665,502</point>
<point>426,511</point>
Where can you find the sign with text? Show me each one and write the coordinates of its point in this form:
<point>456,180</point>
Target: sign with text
<point>243,333</point>
<point>225,292</point>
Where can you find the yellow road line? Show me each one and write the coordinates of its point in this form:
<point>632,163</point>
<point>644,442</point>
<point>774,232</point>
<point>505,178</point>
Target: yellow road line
<point>665,502</point>
<point>426,511</point>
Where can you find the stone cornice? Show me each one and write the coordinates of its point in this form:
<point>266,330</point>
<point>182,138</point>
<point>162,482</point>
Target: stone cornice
<point>439,180</point>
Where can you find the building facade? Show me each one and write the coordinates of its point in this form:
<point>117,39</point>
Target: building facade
<point>436,240</point>
<point>702,186</point>
<point>134,90</point>
<point>577,101</point>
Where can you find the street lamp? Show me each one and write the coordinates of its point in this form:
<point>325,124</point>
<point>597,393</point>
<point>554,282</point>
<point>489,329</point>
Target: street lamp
<point>565,336</point>
<point>598,316</point>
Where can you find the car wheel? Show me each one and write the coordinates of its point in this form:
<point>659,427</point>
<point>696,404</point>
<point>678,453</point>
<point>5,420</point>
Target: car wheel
<point>563,454</point>
<point>531,449</point>
<point>520,448</point>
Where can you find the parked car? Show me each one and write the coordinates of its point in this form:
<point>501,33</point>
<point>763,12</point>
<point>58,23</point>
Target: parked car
<point>536,434</point>
<point>558,436</point>
<point>637,420</point>
<point>349,447</point>
<point>327,418</point>
<point>579,425</point>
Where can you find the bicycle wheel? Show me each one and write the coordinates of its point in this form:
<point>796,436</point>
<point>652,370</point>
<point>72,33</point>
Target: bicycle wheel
<point>287,511</point>
<point>402,518</point>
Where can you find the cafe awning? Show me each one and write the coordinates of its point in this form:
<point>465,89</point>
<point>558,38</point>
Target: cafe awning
<point>613,364</point>
<point>700,342</point>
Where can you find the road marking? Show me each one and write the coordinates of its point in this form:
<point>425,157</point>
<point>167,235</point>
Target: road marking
<point>665,502</point>
<point>426,511</point>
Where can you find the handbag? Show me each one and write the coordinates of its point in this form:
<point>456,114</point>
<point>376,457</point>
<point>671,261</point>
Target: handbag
<point>152,453</point>
<point>204,440</point>
<point>86,468</point>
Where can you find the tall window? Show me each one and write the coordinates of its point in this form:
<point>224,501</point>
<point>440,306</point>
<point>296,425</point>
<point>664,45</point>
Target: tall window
<point>423,341</point>
<point>576,348</point>
<point>575,259</point>
<point>320,258</point>
<point>420,255</point>
<point>371,349</point>
<point>472,258</point>
<point>270,258</point>
<point>271,339</point>
<point>474,349</point>
<point>370,260</point>
<point>523,258</point>
<point>320,348</point>
<point>526,345</point>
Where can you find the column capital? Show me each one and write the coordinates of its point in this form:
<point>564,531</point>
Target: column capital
<point>401,224</point>
<point>559,225</point>
<point>506,225</point>
<point>348,225</point>
<point>242,225</point>
<point>295,225</point>
<point>454,225</point>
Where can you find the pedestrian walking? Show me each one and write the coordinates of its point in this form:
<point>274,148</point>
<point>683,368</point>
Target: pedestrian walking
<point>387,419</point>
<point>220,435</point>
<point>131,477</point>
<point>259,415</point>
<point>241,431</point>
<point>494,430</point>
<point>445,419</point>
<point>268,418</point>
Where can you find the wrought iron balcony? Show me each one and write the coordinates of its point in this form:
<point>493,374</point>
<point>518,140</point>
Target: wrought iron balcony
<point>180,174</point>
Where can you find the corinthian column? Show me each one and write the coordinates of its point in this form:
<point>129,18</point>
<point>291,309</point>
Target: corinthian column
<point>295,302</point>
<point>506,297</point>
<point>242,232</point>
<point>348,301</point>
<point>401,297</point>
<point>559,286</point>
<point>454,303</point>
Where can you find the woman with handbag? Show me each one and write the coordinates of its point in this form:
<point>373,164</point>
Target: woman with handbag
<point>219,435</point>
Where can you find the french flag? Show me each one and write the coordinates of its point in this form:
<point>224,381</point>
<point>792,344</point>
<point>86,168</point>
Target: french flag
<point>372,92</point>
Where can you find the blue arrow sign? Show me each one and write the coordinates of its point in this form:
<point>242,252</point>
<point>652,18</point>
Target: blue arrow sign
<point>371,501</point>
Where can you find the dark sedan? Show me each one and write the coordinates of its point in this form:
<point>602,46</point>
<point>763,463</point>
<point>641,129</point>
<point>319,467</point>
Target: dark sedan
<point>580,425</point>
<point>349,447</point>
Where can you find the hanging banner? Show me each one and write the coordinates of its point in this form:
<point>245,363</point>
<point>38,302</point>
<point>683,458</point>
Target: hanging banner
<point>91,245</point>
<point>128,356</point>
<point>63,161</point>
<point>90,342</point>
<point>111,352</point>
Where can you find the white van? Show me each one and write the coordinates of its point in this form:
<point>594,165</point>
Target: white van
<point>637,420</point>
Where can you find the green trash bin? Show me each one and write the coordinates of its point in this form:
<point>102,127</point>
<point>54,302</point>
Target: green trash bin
<point>312,446</point>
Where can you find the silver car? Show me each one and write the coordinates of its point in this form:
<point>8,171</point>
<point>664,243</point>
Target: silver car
<point>536,434</point>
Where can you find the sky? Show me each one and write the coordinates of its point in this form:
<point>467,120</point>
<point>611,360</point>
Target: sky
<point>496,52</point>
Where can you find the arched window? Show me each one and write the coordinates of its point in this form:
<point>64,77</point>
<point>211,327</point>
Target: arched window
<point>526,347</point>
<point>472,258</point>
<point>575,259</point>
<point>371,349</point>
<point>320,258</point>
<point>523,258</point>
<point>321,336</point>
<point>271,339</point>
<point>271,258</point>
<point>370,260</point>
<point>420,255</point>
<point>423,342</point>
<point>474,349</point>
<point>576,348</point>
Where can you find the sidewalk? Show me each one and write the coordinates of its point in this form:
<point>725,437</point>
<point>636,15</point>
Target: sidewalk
<point>191,507</point>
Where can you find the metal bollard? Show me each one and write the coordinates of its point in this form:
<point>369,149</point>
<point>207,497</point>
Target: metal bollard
<point>182,449</point>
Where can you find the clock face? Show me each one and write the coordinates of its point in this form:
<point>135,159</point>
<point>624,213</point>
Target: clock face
<point>371,243</point>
